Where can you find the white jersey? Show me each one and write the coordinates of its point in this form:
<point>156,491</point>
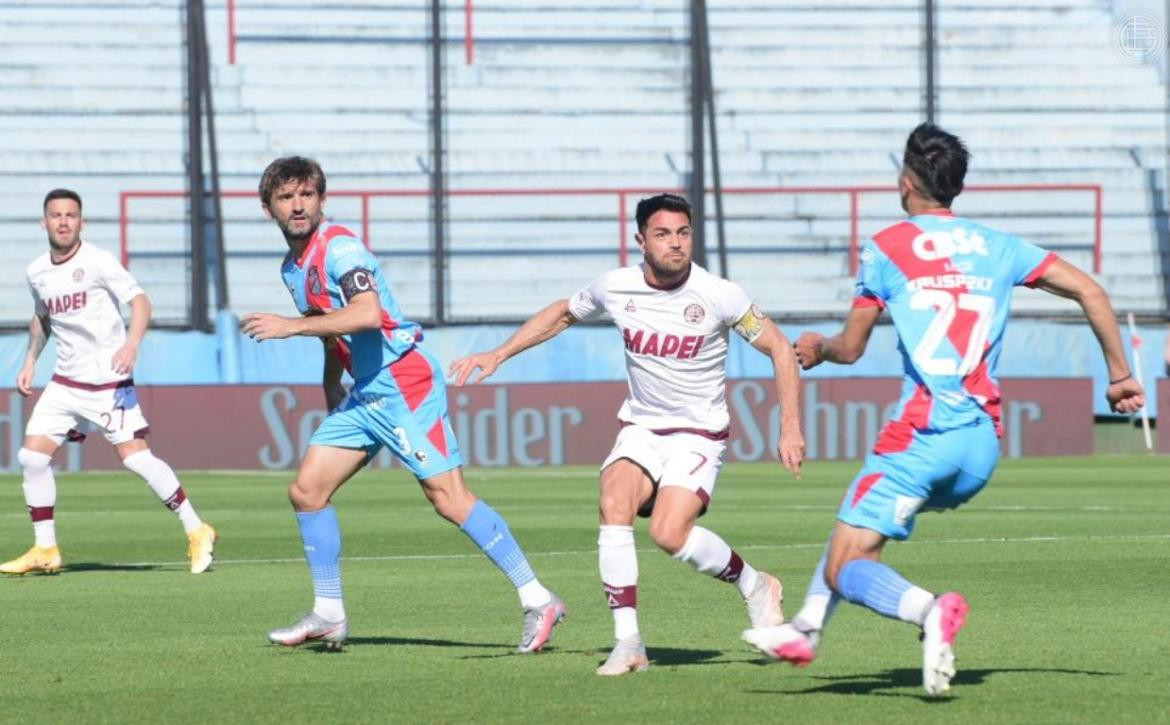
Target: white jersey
<point>80,296</point>
<point>676,344</point>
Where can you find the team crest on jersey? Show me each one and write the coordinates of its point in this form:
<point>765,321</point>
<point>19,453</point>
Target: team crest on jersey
<point>314,281</point>
<point>630,306</point>
<point>694,313</point>
<point>78,275</point>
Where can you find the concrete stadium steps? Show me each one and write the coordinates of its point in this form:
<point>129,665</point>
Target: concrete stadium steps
<point>527,114</point>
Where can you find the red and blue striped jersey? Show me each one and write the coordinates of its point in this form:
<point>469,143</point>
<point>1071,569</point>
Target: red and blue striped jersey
<point>947,283</point>
<point>334,267</point>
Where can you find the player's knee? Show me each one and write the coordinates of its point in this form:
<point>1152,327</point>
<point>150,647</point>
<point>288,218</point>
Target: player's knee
<point>669,537</point>
<point>615,508</point>
<point>306,498</point>
<point>32,460</point>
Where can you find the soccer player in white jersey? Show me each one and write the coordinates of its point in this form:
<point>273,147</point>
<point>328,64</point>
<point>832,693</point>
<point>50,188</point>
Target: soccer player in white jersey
<point>76,288</point>
<point>674,317</point>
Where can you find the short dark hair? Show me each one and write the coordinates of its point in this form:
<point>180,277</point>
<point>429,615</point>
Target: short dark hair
<point>290,168</point>
<point>939,160</point>
<point>650,206</point>
<point>61,194</point>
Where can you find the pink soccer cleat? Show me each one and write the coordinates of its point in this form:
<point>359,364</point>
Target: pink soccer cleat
<point>785,643</point>
<point>943,622</point>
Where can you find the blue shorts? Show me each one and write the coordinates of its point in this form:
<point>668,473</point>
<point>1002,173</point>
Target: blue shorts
<point>404,408</point>
<point>935,471</point>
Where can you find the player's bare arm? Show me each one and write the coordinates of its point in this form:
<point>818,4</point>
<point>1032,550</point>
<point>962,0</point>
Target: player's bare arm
<point>38,337</point>
<point>544,325</point>
<point>335,392</point>
<point>1124,393</point>
<point>125,357</point>
<point>362,312</point>
<point>844,348</point>
<point>773,343</point>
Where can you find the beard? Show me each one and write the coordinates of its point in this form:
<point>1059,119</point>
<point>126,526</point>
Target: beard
<point>292,234</point>
<point>668,267</point>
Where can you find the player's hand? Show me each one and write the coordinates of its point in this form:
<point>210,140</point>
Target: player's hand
<point>267,326</point>
<point>24,380</point>
<point>1126,396</point>
<point>124,359</point>
<point>461,369</point>
<point>808,349</point>
<point>791,449</point>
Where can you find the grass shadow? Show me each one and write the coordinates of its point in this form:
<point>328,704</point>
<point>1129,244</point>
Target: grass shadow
<point>88,566</point>
<point>883,683</point>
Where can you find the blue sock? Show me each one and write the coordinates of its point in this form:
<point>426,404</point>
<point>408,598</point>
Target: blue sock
<point>322,538</point>
<point>819,601</point>
<point>491,534</point>
<point>873,585</point>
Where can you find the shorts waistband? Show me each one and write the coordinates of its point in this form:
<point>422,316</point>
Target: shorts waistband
<point>91,387</point>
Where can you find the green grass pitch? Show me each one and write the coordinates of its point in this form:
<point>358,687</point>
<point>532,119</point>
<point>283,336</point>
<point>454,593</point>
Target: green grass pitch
<point>1064,562</point>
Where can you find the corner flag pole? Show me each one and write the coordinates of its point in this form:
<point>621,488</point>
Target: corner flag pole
<point>1136,343</point>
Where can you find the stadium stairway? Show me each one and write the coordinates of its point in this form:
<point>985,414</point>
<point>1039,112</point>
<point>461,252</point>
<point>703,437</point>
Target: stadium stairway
<point>581,95</point>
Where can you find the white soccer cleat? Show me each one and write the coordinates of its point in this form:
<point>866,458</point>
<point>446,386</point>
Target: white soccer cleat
<point>312,628</point>
<point>785,643</point>
<point>763,604</point>
<point>944,620</point>
<point>539,623</point>
<point>628,655</point>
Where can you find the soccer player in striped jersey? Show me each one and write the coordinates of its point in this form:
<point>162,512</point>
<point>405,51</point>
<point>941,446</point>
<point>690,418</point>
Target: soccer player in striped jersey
<point>947,283</point>
<point>76,288</point>
<point>675,319</point>
<point>398,400</point>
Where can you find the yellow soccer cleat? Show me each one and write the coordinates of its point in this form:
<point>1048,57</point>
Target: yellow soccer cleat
<point>200,545</point>
<point>44,559</point>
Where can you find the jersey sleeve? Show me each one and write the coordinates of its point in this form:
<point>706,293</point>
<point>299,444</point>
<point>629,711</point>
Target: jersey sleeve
<point>1030,262</point>
<point>118,280</point>
<point>38,304</point>
<point>350,267</point>
<point>589,302</point>
<point>871,289</point>
<point>738,312</point>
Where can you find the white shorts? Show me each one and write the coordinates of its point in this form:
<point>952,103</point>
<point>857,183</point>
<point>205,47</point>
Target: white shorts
<point>113,409</point>
<point>688,460</point>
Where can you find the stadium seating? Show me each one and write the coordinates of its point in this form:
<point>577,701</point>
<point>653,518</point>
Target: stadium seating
<point>581,95</point>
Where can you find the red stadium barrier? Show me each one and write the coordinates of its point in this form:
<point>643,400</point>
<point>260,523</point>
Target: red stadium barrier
<point>853,193</point>
<point>540,424</point>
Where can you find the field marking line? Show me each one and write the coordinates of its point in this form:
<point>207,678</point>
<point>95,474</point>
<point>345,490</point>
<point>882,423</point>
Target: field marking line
<point>593,552</point>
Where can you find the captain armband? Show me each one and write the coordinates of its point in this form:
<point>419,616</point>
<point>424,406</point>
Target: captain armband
<point>356,281</point>
<point>751,324</point>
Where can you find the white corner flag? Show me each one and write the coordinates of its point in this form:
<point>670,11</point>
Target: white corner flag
<point>1135,342</point>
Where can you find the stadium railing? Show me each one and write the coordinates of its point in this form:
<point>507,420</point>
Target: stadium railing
<point>851,195</point>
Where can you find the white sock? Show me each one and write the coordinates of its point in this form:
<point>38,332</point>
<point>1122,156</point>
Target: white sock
<point>329,608</point>
<point>914,605</point>
<point>162,480</point>
<point>533,594</point>
<point>816,611</point>
<point>708,553</point>
<point>40,494</point>
<point>617,559</point>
